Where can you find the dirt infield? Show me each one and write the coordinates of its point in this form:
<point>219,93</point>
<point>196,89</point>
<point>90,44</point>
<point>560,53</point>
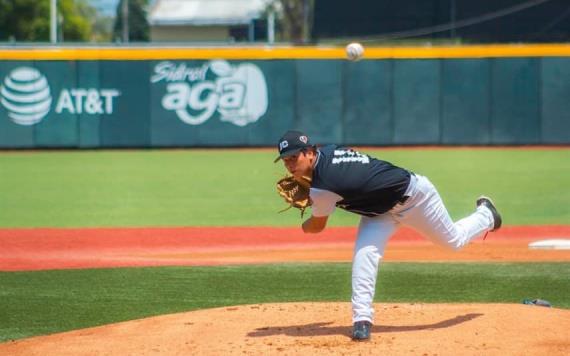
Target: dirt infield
<point>40,249</point>
<point>321,329</point>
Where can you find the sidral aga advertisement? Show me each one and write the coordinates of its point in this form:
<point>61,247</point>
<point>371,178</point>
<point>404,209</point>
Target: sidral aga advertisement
<point>233,103</point>
<point>235,93</point>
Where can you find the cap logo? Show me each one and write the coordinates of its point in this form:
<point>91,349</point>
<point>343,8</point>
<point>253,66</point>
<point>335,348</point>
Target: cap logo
<point>283,145</point>
<point>303,139</point>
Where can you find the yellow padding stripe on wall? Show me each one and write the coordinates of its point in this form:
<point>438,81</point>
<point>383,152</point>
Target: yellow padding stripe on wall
<point>162,53</point>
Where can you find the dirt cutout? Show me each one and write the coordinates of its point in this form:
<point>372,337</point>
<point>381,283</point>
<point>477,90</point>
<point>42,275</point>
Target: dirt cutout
<point>321,329</point>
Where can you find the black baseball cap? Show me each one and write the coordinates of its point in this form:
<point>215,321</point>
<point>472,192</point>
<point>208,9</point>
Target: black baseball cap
<point>292,142</point>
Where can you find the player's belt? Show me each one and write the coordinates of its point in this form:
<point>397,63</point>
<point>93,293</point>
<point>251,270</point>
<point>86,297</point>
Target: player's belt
<point>405,197</point>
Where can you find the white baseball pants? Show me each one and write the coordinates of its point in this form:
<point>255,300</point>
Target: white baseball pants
<point>423,211</point>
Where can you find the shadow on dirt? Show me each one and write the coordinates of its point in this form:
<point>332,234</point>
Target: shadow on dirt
<point>321,329</point>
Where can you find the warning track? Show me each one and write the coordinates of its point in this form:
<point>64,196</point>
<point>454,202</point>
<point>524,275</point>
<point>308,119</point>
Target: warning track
<point>40,249</point>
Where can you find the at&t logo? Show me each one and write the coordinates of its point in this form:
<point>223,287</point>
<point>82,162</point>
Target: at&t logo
<point>26,95</point>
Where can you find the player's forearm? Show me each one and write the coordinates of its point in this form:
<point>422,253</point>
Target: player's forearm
<point>310,228</point>
<point>314,225</point>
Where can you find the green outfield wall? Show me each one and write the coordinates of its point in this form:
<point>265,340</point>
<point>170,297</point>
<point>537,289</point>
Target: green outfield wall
<point>185,98</point>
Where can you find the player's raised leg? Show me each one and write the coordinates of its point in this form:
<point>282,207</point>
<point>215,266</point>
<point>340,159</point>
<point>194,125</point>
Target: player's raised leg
<point>425,212</point>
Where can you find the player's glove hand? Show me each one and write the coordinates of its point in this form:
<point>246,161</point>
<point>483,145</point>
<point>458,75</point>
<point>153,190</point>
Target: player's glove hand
<point>295,192</point>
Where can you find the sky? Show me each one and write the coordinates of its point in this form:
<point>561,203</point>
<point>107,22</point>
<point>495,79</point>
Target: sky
<point>107,7</point>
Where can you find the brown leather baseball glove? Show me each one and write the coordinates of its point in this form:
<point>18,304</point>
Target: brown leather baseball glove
<point>295,192</point>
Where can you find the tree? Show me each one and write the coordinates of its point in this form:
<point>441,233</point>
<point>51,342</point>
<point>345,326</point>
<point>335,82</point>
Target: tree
<point>296,18</point>
<point>29,20</point>
<point>76,23</point>
<point>138,25</point>
<point>101,25</point>
<point>103,29</point>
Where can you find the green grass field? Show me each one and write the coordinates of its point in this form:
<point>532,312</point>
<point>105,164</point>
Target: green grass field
<point>45,302</point>
<point>236,188</point>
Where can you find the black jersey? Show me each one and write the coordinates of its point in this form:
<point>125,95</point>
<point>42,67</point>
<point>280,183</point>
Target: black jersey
<point>368,186</point>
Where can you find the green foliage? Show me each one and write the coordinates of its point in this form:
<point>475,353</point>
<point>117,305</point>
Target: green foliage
<point>138,25</point>
<point>24,20</point>
<point>237,188</point>
<point>76,25</point>
<point>34,303</point>
<point>29,20</point>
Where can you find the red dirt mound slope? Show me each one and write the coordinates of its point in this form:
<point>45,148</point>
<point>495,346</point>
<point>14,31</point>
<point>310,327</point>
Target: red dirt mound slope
<point>322,329</point>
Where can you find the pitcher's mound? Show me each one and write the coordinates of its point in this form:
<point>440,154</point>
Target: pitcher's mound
<point>321,328</point>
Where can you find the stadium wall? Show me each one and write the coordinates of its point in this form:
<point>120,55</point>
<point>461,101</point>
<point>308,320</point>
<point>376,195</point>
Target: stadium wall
<point>181,97</point>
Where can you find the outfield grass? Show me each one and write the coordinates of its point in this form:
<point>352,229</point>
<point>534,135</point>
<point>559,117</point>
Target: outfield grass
<point>34,303</point>
<point>236,188</point>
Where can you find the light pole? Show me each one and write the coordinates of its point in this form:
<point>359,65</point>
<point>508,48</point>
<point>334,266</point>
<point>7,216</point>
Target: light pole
<point>125,11</point>
<point>305,21</point>
<point>271,27</point>
<point>53,21</point>
<point>452,13</point>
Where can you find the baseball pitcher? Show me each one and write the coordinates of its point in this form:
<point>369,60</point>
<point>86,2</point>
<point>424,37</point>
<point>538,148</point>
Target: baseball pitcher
<point>385,196</point>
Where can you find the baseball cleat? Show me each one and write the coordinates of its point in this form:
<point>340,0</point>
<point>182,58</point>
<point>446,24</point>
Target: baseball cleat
<point>361,330</point>
<point>488,203</point>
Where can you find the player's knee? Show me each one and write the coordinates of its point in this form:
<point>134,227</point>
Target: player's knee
<point>450,244</point>
<point>455,245</point>
<point>452,240</point>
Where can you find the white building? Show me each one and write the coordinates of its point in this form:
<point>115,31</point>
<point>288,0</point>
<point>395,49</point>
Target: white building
<point>204,20</point>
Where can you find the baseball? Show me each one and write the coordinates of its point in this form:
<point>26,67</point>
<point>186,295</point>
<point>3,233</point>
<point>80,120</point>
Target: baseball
<point>354,51</point>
